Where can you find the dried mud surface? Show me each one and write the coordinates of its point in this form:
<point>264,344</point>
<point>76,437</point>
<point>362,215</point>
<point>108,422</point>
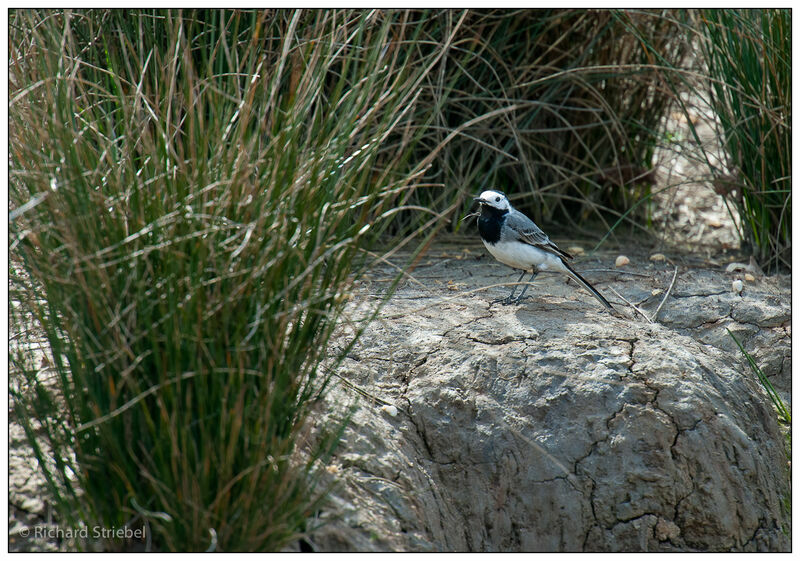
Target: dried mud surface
<point>553,425</point>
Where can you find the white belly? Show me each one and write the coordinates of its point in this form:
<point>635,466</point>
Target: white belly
<point>526,257</point>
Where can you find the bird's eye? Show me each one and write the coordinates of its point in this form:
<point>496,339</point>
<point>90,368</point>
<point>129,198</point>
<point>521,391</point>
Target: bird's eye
<point>497,199</point>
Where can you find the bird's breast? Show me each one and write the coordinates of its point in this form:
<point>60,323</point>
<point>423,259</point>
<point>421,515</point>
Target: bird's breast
<point>524,256</point>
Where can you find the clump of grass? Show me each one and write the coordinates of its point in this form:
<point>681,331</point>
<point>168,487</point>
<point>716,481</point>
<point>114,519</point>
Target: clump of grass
<point>748,54</point>
<point>190,194</point>
<point>559,108</point>
<point>738,64</point>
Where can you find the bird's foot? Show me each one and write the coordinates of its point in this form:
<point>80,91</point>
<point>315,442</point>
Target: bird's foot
<point>507,301</point>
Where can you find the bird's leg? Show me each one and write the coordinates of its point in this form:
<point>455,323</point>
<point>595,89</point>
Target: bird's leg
<point>524,288</point>
<point>510,298</point>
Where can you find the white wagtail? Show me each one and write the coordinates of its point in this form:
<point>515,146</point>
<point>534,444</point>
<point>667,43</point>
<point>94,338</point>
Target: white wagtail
<point>513,239</point>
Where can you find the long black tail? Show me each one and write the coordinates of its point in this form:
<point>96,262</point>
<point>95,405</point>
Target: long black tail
<point>582,281</point>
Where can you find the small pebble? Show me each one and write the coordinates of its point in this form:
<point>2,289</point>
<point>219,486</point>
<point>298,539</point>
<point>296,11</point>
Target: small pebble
<point>622,261</point>
<point>454,285</point>
<point>749,278</point>
<point>737,286</point>
<point>656,292</point>
<point>658,257</point>
<point>732,267</point>
<point>391,410</point>
<point>333,468</point>
<point>576,250</point>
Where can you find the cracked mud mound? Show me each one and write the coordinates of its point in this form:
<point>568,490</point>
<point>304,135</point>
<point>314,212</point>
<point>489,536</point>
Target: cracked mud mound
<point>555,426</point>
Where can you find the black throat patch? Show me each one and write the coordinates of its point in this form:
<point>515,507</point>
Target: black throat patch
<point>490,222</point>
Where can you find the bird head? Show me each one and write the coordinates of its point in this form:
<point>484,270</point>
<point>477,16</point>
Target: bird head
<point>494,199</point>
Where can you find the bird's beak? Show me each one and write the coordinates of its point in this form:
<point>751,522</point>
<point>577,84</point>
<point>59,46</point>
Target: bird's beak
<point>477,200</point>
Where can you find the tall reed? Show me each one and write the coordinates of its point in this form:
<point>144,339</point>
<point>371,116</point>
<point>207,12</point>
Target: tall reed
<point>191,195</point>
<point>559,108</point>
<point>748,54</point>
<point>738,65</point>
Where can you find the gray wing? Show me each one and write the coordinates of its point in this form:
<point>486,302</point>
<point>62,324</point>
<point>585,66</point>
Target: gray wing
<point>527,231</point>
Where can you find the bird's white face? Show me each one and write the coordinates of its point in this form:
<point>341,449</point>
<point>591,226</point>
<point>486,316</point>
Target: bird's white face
<point>494,199</point>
